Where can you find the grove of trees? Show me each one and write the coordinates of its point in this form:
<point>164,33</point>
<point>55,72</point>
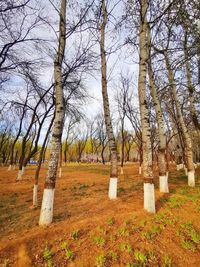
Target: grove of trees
<point>100,81</point>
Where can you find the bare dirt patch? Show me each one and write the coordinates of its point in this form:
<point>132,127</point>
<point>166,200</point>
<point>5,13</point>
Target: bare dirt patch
<point>90,230</point>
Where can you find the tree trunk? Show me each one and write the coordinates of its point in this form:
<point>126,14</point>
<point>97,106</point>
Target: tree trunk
<point>109,130</point>
<point>123,144</point>
<point>37,172</point>
<point>190,87</point>
<point>186,136</point>
<point>46,214</point>
<point>65,152</point>
<point>149,195</point>
<point>20,171</point>
<point>163,180</point>
<point>60,162</point>
<point>102,155</point>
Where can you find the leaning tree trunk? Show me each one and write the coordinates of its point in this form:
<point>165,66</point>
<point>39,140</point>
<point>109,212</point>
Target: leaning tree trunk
<point>46,214</point>
<point>37,172</point>
<point>149,195</point>
<point>163,179</point>
<point>109,130</point>
<point>21,160</point>
<point>12,148</point>
<point>65,152</point>
<point>191,88</point>
<point>186,136</point>
<point>123,147</point>
<point>11,156</point>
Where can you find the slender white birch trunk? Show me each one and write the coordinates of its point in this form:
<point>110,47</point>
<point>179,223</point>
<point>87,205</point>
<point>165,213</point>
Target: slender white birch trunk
<point>163,178</point>
<point>109,130</point>
<point>46,214</point>
<point>149,194</point>
<point>190,87</point>
<point>186,136</point>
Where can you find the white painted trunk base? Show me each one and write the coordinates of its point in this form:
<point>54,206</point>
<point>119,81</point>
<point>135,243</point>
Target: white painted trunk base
<point>112,188</point>
<point>19,176</point>
<point>186,171</point>
<point>163,181</point>
<point>23,170</point>
<point>195,165</point>
<point>10,168</point>
<point>191,178</point>
<point>140,170</point>
<point>46,213</point>
<point>149,198</point>
<point>60,172</point>
<point>179,167</point>
<point>121,171</point>
<point>167,174</point>
<point>35,195</point>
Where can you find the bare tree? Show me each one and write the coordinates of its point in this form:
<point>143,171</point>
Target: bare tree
<point>46,214</point>
<point>163,179</point>
<point>109,129</point>
<point>149,195</point>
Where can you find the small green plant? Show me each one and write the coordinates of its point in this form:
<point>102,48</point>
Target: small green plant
<point>125,247</point>
<point>167,261</point>
<point>69,254</point>
<point>123,231</point>
<point>164,218</point>
<point>75,234</point>
<point>129,248</point>
<point>151,255</point>
<point>47,255</point>
<point>190,238</point>
<point>176,202</point>
<point>195,237</point>
<point>64,245</point>
<point>83,186</point>
<point>113,255</point>
<point>121,190</point>
<point>151,233</point>
<point>140,257</point>
<point>122,247</point>
<point>112,238</point>
<point>188,226</point>
<point>100,241</point>
<point>163,200</point>
<point>110,221</point>
<point>194,199</point>
<point>188,244</point>
<point>102,230</point>
<point>6,263</point>
<point>127,222</point>
<point>100,260</point>
<point>143,223</point>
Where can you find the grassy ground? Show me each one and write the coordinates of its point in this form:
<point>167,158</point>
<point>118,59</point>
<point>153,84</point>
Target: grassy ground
<point>89,230</point>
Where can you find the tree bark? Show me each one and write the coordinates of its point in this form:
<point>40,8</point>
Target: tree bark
<point>37,172</point>
<point>186,136</point>
<point>190,87</point>
<point>46,214</point>
<point>149,195</point>
<point>122,144</point>
<point>163,179</point>
<point>107,117</point>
